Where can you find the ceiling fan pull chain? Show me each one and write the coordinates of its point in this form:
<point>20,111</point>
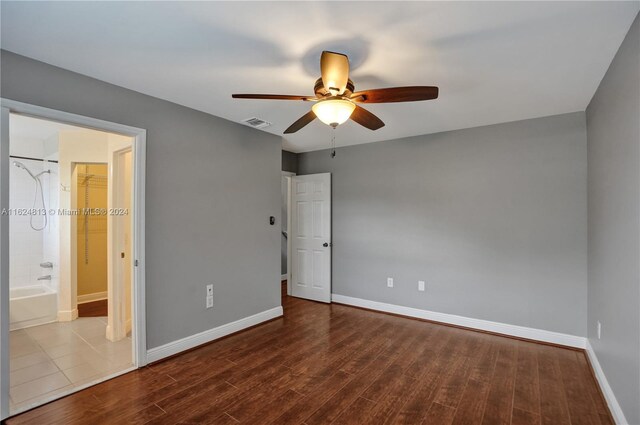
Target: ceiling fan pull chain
<point>333,142</point>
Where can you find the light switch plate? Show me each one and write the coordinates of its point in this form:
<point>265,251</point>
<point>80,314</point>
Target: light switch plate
<point>421,285</point>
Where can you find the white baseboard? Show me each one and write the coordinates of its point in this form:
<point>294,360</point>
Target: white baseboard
<point>614,407</point>
<point>283,277</point>
<point>485,325</point>
<point>67,315</point>
<point>87,298</point>
<point>175,347</point>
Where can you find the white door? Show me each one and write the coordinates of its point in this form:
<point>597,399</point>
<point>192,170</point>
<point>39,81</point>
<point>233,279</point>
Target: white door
<point>119,240</point>
<point>310,236</point>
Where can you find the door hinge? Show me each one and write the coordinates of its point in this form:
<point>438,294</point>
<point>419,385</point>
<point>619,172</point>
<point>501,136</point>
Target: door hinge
<point>135,263</point>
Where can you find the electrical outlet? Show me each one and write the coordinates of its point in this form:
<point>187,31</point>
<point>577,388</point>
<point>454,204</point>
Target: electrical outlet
<point>210,290</point>
<point>210,301</point>
<point>421,285</point>
<point>599,329</point>
<point>390,282</point>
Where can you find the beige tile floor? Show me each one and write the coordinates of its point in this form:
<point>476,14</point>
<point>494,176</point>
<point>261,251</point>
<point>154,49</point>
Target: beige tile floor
<point>54,358</point>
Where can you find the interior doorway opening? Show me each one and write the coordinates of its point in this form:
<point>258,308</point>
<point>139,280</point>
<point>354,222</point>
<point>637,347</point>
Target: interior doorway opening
<point>90,193</point>
<point>72,241</point>
<point>285,223</point>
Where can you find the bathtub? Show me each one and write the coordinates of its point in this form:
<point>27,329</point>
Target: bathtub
<point>31,306</point>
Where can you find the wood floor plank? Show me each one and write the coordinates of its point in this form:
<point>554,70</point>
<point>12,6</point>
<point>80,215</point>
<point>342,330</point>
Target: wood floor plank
<point>472,404</point>
<point>582,409</point>
<point>450,390</point>
<point>266,413</point>
<point>523,417</point>
<point>356,413</point>
<point>93,309</point>
<point>500,399</point>
<point>417,406</point>
<point>143,416</point>
<point>439,414</point>
<point>389,406</point>
<point>553,401</point>
<point>592,386</point>
<point>316,396</point>
<point>527,388</point>
<point>333,363</point>
<point>350,392</point>
<point>331,409</point>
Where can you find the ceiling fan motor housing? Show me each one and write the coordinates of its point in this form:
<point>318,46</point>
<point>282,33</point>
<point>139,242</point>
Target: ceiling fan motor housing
<point>321,92</point>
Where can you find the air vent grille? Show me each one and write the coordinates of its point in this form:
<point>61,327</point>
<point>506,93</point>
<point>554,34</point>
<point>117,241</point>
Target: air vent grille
<point>256,122</point>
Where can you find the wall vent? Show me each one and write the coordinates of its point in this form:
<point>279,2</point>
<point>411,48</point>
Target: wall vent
<point>256,122</point>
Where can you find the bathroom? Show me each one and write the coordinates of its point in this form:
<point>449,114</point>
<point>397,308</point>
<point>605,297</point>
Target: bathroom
<point>61,330</point>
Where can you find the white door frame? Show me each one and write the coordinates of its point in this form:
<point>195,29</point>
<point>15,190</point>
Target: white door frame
<point>288,175</point>
<point>139,152</point>
<point>116,320</point>
<point>4,264</point>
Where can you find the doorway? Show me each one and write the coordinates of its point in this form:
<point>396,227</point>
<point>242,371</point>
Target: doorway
<point>90,192</point>
<point>285,243</point>
<point>86,180</point>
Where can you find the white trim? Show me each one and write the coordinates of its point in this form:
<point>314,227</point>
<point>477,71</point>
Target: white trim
<point>612,402</point>
<point>283,277</point>
<point>139,324</point>
<point>116,317</point>
<point>96,296</point>
<point>67,315</point>
<point>175,347</point>
<point>467,322</point>
<point>69,118</point>
<point>4,264</point>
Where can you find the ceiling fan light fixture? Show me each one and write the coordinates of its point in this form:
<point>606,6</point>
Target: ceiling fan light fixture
<point>333,112</point>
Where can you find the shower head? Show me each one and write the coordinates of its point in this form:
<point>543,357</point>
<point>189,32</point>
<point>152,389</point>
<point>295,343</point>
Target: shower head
<point>38,184</point>
<point>24,167</point>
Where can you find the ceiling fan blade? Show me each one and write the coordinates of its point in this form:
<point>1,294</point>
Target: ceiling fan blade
<point>304,120</point>
<point>396,94</point>
<point>335,72</point>
<point>272,97</point>
<point>366,118</point>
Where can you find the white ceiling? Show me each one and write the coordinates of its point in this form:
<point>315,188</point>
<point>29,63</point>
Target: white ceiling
<point>493,61</point>
<point>23,127</point>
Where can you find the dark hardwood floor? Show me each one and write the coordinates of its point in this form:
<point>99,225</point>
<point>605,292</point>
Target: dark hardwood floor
<point>323,364</point>
<point>93,309</point>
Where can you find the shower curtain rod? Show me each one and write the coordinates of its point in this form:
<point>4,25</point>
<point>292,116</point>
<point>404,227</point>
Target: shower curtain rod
<point>33,159</point>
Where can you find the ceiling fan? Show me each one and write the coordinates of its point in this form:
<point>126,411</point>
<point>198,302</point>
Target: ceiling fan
<point>337,101</point>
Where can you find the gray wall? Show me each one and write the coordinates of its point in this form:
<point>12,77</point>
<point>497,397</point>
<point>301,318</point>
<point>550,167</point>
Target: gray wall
<point>211,187</point>
<point>492,218</point>
<point>289,161</point>
<point>613,134</point>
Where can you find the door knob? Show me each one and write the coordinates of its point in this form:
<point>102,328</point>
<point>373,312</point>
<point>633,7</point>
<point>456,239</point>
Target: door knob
<point>326,244</point>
